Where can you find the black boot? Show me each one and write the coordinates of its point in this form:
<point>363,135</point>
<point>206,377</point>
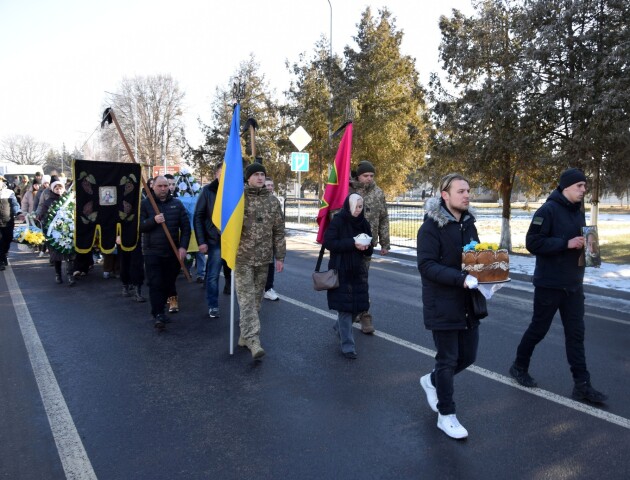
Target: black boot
<point>584,391</point>
<point>138,294</point>
<point>58,278</point>
<point>126,291</point>
<point>71,281</point>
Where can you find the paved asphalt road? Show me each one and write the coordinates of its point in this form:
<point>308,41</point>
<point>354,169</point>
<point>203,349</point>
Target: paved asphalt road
<point>88,389</point>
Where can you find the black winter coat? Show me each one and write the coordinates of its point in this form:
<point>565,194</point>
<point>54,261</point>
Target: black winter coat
<point>205,231</point>
<point>352,295</point>
<point>554,224</point>
<point>154,241</point>
<point>445,300</point>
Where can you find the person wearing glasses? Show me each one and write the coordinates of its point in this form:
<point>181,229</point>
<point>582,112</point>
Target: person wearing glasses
<point>448,225</point>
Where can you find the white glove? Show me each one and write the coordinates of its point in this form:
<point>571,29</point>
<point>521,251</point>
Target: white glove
<point>471,282</point>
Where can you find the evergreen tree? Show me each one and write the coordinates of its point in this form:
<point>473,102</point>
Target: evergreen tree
<point>259,104</point>
<point>489,128</point>
<point>582,51</point>
<point>391,123</point>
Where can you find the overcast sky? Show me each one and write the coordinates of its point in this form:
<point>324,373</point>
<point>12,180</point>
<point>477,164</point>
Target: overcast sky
<point>58,57</point>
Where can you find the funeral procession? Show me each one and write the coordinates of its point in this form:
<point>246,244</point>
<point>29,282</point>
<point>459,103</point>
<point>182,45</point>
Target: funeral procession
<point>317,240</point>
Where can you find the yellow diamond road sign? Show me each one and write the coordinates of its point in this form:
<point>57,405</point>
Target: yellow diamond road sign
<point>300,138</point>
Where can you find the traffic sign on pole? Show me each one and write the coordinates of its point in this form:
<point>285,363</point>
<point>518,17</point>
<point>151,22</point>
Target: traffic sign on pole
<point>299,161</point>
<point>300,138</point>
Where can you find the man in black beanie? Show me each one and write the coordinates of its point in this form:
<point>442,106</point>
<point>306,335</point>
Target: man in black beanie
<point>555,237</point>
<point>375,211</point>
<point>262,238</point>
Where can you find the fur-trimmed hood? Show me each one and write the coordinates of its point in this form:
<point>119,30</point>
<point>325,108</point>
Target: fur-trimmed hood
<point>436,210</point>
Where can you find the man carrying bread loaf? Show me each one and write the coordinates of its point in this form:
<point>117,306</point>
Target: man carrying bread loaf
<point>448,226</point>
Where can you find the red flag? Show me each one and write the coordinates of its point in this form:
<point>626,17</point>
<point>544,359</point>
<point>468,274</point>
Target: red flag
<point>336,189</point>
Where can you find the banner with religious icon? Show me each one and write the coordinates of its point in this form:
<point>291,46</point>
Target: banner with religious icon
<point>107,205</point>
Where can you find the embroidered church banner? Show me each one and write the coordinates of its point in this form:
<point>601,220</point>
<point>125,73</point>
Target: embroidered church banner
<point>107,205</point>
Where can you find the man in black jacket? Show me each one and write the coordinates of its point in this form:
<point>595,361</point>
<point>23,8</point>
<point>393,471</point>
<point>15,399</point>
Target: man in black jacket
<point>161,264</point>
<point>209,240</point>
<point>448,226</point>
<point>555,237</point>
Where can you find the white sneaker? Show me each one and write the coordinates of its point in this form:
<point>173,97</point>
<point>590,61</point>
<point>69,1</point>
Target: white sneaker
<point>271,295</point>
<point>451,426</point>
<point>430,391</point>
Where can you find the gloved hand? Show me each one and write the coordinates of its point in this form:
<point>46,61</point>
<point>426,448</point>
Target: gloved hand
<point>471,282</point>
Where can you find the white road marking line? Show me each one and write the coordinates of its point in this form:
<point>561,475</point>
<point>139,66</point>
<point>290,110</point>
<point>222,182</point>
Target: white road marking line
<point>72,454</point>
<point>539,392</point>
<point>610,319</point>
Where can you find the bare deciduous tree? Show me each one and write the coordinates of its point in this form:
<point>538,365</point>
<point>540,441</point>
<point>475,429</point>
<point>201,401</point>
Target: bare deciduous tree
<point>23,150</point>
<point>149,110</point>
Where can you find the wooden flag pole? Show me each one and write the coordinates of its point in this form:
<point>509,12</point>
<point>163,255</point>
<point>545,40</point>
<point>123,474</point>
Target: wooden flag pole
<point>149,195</point>
<point>252,125</point>
<point>252,140</point>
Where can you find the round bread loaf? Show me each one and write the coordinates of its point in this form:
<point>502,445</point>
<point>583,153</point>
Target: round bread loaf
<point>487,265</point>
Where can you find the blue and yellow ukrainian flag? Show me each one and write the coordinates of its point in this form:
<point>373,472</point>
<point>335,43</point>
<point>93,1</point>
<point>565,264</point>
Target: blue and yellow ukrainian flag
<point>229,208</point>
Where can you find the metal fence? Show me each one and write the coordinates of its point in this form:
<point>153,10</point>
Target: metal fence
<point>404,219</point>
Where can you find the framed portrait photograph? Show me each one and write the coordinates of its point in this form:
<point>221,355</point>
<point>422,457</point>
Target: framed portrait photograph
<point>592,255</point>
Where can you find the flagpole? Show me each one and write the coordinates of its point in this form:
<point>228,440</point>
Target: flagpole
<point>147,190</point>
<point>227,214</point>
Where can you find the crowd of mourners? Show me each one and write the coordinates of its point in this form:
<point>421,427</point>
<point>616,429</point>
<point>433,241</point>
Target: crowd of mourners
<point>178,235</point>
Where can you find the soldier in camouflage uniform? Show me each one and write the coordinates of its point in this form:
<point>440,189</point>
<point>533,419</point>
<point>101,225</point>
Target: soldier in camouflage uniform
<point>375,210</point>
<point>262,237</point>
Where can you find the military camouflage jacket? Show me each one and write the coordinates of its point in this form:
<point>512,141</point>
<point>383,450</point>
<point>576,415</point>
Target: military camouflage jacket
<point>263,228</point>
<point>375,210</point>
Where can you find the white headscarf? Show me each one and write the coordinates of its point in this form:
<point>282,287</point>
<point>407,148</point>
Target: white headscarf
<point>353,200</point>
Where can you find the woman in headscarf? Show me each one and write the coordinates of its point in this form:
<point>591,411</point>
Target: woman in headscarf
<point>346,256</point>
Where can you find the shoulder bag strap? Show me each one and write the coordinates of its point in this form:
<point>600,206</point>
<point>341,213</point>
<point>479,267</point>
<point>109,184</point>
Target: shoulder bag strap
<point>320,258</point>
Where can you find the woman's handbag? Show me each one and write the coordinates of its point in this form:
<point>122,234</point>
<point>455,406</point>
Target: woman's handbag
<point>324,280</point>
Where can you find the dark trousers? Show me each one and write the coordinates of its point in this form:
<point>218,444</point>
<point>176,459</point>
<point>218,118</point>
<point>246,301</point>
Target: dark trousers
<point>6,235</point>
<point>270,275</point>
<point>110,263</point>
<point>83,262</point>
<point>132,266</point>
<point>456,350</point>
<point>161,273</point>
<point>547,301</point>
